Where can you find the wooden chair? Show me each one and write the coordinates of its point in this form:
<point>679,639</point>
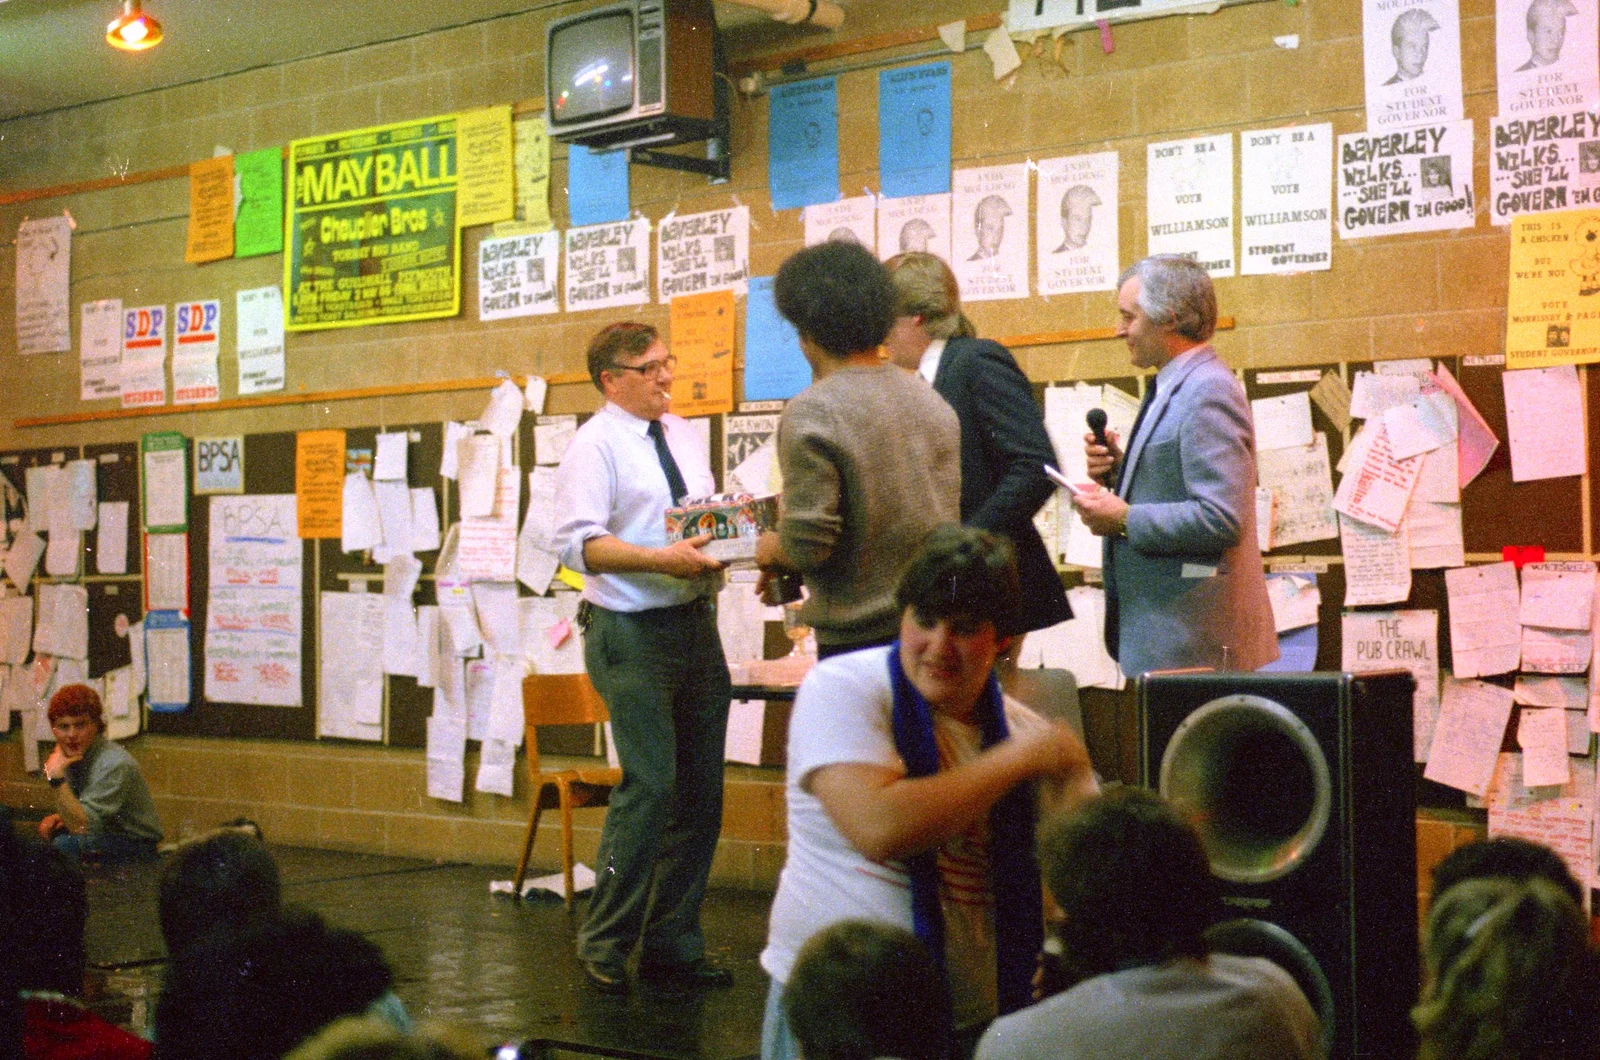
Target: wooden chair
<point>560,699</point>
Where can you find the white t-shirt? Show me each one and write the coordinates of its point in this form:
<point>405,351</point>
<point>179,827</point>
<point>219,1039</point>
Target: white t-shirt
<point>843,714</point>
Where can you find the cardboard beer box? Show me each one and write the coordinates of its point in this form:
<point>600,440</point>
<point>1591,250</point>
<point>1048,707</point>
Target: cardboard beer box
<point>734,520</point>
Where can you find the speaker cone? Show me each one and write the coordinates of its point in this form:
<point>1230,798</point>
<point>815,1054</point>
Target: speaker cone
<point>1248,937</point>
<point>1251,777</point>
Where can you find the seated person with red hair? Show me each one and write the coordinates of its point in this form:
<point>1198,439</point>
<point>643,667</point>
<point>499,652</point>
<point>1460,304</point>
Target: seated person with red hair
<point>103,806</point>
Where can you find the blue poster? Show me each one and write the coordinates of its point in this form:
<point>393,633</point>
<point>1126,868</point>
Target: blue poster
<point>914,130</point>
<point>774,367</point>
<point>803,144</point>
<point>597,186</point>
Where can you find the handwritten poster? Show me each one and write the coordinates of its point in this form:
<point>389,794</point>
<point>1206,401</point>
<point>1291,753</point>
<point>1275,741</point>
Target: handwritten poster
<point>1189,200</point>
<point>530,142</point>
<point>607,265</point>
<point>485,190</point>
<point>210,210</point>
<point>1546,56</point>
<point>1545,163</point>
<point>915,224</point>
<point>1553,301</point>
<point>1419,180</point>
<point>702,332</point>
<point>319,483</point>
<point>350,680</point>
<point>989,232</point>
<point>44,319</point>
<point>194,355</point>
<point>371,232</point>
<point>258,186</point>
<point>517,276</point>
<point>1413,62</point>
<point>100,350</point>
<point>253,611</point>
<point>1076,223</point>
<point>1285,195</point>
<point>704,252</point>
<point>1390,640</point>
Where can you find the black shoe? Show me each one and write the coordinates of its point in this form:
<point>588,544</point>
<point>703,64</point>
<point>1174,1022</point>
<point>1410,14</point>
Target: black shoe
<point>604,979</point>
<point>700,974</point>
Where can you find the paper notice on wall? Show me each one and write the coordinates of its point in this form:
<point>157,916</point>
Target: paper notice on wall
<point>319,482</point>
<point>1285,195</point>
<point>394,519</point>
<point>1189,200</point>
<point>1076,223</point>
<point>166,572</point>
<point>1559,817</point>
<point>487,550</point>
<point>847,220</point>
<point>1568,693</point>
<point>497,761</point>
<point>518,276</point>
<point>194,356</point>
<point>703,252</point>
<point>144,356</point>
<point>1282,422</point>
<point>166,653</point>
<point>1542,736</point>
<point>350,684</point>
<point>607,265</point>
<point>44,311</point>
<point>211,202</point>
<point>530,144</point>
<point>1295,600</point>
<point>702,333</point>
<point>1544,420</point>
<point>1466,742</point>
<point>447,746</point>
<point>1558,595</point>
<point>63,626</point>
<point>259,340</point>
<point>402,637</point>
<point>100,350</point>
<point>360,526</point>
<point>1433,534</point>
<point>549,633</point>
<point>1376,487</point>
<point>486,176</point>
<point>989,232</point>
<point>1413,63</point>
<point>1376,564</point>
<point>1388,640</point>
<point>551,436</point>
<point>741,620</point>
<point>23,557</point>
<point>253,602</point>
<point>1545,163</point>
<point>1485,636</point>
<point>1418,180</point>
<point>916,224</point>
<point>77,497</point>
<point>1555,651</point>
<point>1545,64</point>
<point>16,629</point>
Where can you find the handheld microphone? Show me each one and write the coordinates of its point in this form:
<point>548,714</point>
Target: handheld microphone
<point>1097,424</point>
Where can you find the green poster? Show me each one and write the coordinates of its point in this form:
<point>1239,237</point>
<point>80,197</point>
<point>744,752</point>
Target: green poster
<point>258,228</point>
<point>371,234</point>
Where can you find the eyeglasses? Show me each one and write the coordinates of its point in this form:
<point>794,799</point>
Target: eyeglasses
<point>652,369</point>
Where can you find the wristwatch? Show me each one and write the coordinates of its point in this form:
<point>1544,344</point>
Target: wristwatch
<point>55,782</point>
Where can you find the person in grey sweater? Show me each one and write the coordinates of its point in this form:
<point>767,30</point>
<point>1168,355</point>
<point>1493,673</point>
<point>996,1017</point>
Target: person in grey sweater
<point>103,806</point>
<point>870,455</point>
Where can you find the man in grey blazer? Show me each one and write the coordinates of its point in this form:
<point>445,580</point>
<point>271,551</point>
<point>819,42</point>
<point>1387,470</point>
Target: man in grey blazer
<point>1184,585</point>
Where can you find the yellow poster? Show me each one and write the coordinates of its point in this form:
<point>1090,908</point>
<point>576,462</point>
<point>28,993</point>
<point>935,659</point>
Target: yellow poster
<point>1553,302</point>
<point>319,483</point>
<point>702,340</point>
<point>532,144</point>
<point>210,210</point>
<point>484,177</point>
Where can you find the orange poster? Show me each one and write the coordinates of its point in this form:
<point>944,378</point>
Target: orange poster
<point>210,210</point>
<point>701,329</point>
<point>319,482</point>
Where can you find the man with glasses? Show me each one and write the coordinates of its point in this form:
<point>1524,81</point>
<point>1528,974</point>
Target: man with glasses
<point>651,648</point>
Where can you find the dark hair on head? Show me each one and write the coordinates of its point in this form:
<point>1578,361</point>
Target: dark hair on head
<point>1509,975</point>
<point>960,570</point>
<point>1505,858</point>
<point>225,882</point>
<point>257,994</point>
<point>48,909</point>
<point>837,295</point>
<point>1133,880</point>
<point>625,339</point>
<point>79,701</point>
<point>861,989</point>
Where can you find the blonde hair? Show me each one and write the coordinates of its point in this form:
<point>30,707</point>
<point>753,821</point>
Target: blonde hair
<point>925,287</point>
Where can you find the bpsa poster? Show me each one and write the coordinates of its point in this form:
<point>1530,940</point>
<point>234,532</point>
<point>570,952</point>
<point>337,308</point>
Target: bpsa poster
<point>1190,200</point>
<point>1285,195</point>
<point>1076,223</point>
<point>1544,163</point>
<point>1553,302</point>
<point>1547,60</point>
<point>1413,63</point>
<point>371,234</point>
<point>989,232</point>
<point>1419,180</point>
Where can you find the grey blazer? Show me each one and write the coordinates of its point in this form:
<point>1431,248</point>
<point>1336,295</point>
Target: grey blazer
<point>1187,581</point>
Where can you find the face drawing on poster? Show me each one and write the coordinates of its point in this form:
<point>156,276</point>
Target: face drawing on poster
<point>1547,32</point>
<point>1408,37</point>
<point>989,222</point>
<point>1077,217</point>
<point>915,236</point>
<point>1586,266</point>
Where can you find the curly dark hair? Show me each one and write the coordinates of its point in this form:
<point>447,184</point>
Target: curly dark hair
<point>838,296</point>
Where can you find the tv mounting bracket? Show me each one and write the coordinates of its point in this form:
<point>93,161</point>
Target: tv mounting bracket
<point>716,166</point>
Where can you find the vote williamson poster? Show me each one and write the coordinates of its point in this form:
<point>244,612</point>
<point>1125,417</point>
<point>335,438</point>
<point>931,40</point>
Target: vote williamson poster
<point>370,235</point>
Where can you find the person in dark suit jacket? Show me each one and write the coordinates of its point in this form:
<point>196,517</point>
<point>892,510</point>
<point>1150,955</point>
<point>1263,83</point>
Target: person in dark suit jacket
<point>1004,446</point>
<point>1184,584</point>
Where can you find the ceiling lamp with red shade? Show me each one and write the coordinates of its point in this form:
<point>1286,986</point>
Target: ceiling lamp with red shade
<point>133,30</point>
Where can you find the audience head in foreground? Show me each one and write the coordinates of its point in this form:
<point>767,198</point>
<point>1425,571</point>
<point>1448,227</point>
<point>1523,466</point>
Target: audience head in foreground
<point>1504,858</point>
<point>1136,890</point>
<point>862,989</point>
<point>222,883</point>
<point>367,1038</point>
<point>1508,975</point>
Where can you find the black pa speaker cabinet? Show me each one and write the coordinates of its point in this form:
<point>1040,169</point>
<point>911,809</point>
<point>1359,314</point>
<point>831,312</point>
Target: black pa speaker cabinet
<point>1302,788</point>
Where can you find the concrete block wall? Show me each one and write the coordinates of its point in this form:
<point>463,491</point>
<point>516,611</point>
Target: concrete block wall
<point>1439,294</point>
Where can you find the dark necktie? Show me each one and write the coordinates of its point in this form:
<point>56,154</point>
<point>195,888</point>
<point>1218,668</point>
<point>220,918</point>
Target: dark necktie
<point>1127,448</point>
<point>675,482</point>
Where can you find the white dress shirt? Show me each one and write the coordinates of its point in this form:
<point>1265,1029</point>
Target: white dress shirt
<point>610,482</point>
<point>928,367</point>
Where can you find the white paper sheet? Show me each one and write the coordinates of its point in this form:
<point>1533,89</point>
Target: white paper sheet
<point>845,220</point>
<point>1568,693</point>
<point>1433,535</point>
<point>394,519</point>
<point>43,305</point>
<point>401,638</point>
<point>16,629</point>
<point>1282,422</point>
<point>741,618</point>
<point>1558,595</point>
<point>478,464</point>
<point>1561,818</point>
<point>506,722</point>
<point>166,572</point>
<point>480,693</point>
<point>1542,64</point>
<point>447,746</point>
<point>100,350</point>
<point>1383,640</point>
<point>167,662</point>
<point>1555,651</point>
<point>548,627</point>
<point>1485,637</point>
<point>166,488</point>
<point>1189,200</point>
<point>424,519</point>
<point>1295,601</point>
<point>1376,487</point>
<point>1377,568</point>
<point>1419,180</point>
<point>551,436</point>
<point>1542,735</point>
<point>136,648</point>
<point>62,552</point>
<point>747,720</point>
<point>390,460</point>
<point>989,231</point>
<point>448,462</point>
<point>428,646</point>
<point>111,538</point>
<point>63,627</point>
<point>1285,193</point>
<point>1421,425</point>
<point>1466,743</point>
<point>260,340</point>
<point>703,252</point>
<point>362,527</point>
<point>22,558</point>
<point>1544,422</point>
<point>122,706</point>
<point>254,604</point>
<point>1076,223</point>
<point>497,761</point>
<point>1413,63</point>
<point>607,265</point>
<point>503,411</point>
<point>350,683</point>
<point>519,276</point>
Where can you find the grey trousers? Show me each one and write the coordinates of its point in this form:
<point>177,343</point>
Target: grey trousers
<point>665,681</point>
